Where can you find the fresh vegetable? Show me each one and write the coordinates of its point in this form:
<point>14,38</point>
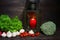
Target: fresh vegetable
<point>22,31</point>
<point>26,34</point>
<point>9,34</point>
<point>14,34</point>
<point>48,28</point>
<point>3,34</point>
<point>31,32</point>
<point>21,35</point>
<point>10,24</point>
<point>37,33</point>
<point>18,33</point>
<point>32,35</point>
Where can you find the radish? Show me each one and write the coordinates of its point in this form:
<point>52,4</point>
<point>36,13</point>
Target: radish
<point>3,34</point>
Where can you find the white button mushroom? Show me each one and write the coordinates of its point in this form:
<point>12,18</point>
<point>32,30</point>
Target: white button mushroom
<point>14,34</point>
<point>3,34</point>
<point>18,33</point>
<point>22,31</point>
<point>31,32</point>
<point>9,34</point>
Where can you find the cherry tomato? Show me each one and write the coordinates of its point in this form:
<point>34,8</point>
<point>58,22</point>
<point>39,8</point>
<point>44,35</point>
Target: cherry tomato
<point>37,33</point>
<point>32,35</point>
<point>29,35</point>
<point>25,34</point>
<point>21,35</point>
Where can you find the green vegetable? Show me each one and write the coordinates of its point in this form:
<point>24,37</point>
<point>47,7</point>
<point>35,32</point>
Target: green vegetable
<point>8,24</point>
<point>48,28</point>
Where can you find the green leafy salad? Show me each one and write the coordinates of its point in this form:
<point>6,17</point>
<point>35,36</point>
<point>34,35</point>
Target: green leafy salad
<point>10,24</point>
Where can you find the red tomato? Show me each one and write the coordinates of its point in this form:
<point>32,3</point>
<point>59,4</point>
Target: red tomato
<point>26,33</point>
<point>29,35</point>
<point>37,33</point>
<point>21,35</point>
<point>32,35</point>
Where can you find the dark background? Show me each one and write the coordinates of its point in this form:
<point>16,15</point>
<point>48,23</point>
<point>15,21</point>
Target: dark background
<point>48,11</point>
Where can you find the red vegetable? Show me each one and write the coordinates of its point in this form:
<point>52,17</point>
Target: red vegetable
<point>32,35</point>
<point>26,33</point>
<point>0,33</point>
<point>37,33</point>
<point>21,35</point>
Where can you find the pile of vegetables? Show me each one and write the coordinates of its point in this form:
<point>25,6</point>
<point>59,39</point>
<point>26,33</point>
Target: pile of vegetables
<point>12,27</point>
<point>48,28</point>
<point>10,24</point>
<point>21,33</point>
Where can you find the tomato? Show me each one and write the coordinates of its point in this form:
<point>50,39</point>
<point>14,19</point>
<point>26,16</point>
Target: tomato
<point>29,35</point>
<point>21,35</point>
<point>37,33</point>
<point>25,34</point>
<point>32,35</point>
